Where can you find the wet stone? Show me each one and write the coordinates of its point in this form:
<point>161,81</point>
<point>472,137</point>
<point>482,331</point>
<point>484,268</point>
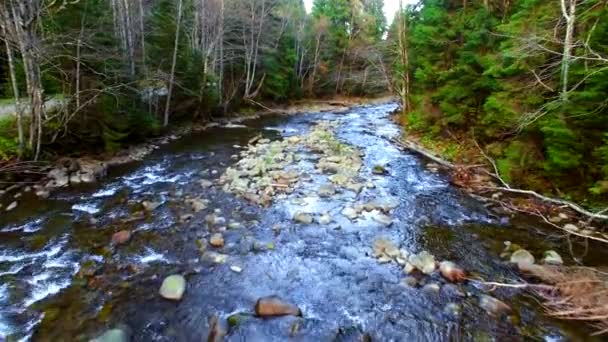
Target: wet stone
<point>493,306</point>
<point>173,287</point>
<point>424,261</point>
<point>121,237</point>
<point>410,281</point>
<point>302,217</point>
<point>113,335</point>
<point>275,306</point>
<point>325,219</point>
<point>522,258</point>
<point>151,206</point>
<point>431,288</point>
<point>350,213</point>
<point>452,272</point>
<point>217,240</point>
<point>11,206</point>
<point>552,258</point>
<point>326,190</point>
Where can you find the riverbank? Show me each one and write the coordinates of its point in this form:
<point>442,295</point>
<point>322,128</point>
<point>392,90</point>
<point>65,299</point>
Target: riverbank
<point>45,177</point>
<point>346,211</point>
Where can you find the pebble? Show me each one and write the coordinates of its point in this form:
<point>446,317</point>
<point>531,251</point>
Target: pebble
<point>275,306</point>
<point>113,335</point>
<point>236,269</point>
<point>11,206</point>
<point>431,288</point>
<point>173,287</point>
<point>451,272</point>
<point>302,217</point>
<point>410,281</point>
<point>522,258</point>
<point>121,237</point>
<point>350,213</point>
<point>424,261</point>
<point>493,306</point>
<point>552,258</point>
<point>325,219</point>
<point>217,240</point>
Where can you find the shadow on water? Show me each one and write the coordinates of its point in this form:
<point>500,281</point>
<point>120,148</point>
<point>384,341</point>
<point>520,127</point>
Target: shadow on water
<point>62,280</point>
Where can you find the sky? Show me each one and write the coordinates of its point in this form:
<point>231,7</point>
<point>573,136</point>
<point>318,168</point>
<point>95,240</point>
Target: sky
<point>390,7</point>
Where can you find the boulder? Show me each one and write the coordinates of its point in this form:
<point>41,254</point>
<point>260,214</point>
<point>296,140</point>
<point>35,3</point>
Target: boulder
<point>113,335</point>
<point>217,240</point>
<point>382,219</point>
<point>214,220</point>
<point>121,237</point>
<point>326,190</point>
<point>410,281</point>
<point>493,306</point>
<point>302,217</point>
<point>452,272</point>
<point>552,258</point>
<point>59,178</point>
<point>150,205</point>
<point>173,287</point>
<point>275,306</point>
<point>205,183</point>
<point>11,206</point>
<point>325,219</point>
<point>424,261</point>
<point>522,258</point>
<point>379,170</point>
<point>91,170</point>
<point>350,213</point>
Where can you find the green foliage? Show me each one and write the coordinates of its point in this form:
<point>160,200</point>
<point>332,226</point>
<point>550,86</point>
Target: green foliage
<point>496,72</point>
<point>9,146</point>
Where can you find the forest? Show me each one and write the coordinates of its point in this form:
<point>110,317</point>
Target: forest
<point>167,172</point>
<point>525,80</point>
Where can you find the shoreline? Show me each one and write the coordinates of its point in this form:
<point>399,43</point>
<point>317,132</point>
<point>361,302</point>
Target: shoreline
<point>65,172</point>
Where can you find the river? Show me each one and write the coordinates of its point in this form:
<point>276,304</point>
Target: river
<point>62,280</point>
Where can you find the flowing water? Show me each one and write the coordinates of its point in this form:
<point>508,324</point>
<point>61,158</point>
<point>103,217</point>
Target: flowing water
<point>61,280</point>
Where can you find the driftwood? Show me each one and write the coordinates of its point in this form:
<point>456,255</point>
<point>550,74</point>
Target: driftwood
<point>408,145</point>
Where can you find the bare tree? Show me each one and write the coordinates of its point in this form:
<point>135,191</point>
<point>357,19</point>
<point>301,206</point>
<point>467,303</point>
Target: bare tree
<point>569,14</point>
<point>173,63</point>
<point>15,86</point>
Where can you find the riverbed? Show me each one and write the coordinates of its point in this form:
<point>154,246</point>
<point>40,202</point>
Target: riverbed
<point>62,279</point>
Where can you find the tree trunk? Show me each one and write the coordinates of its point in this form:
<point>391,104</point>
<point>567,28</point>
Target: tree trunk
<point>404,56</point>
<point>174,62</point>
<point>18,109</point>
<point>569,13</point>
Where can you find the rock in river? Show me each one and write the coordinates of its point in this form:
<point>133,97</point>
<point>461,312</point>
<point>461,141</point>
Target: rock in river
<point>217,240</point>
<point>493,306</point>
<point>302,217</point>
<point>326,190</point>
<point>275,306</point>
<point>173,287</point>
<point>522,258</point>
<point>113,335</point>
<point>452,272</point>
<point>150,206</point>
<point>121,237</point>
<point>379,170</point>
<point>424,262</point>
<point>552,258</point>
<point>325,219</point>
<point>350,213</point>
